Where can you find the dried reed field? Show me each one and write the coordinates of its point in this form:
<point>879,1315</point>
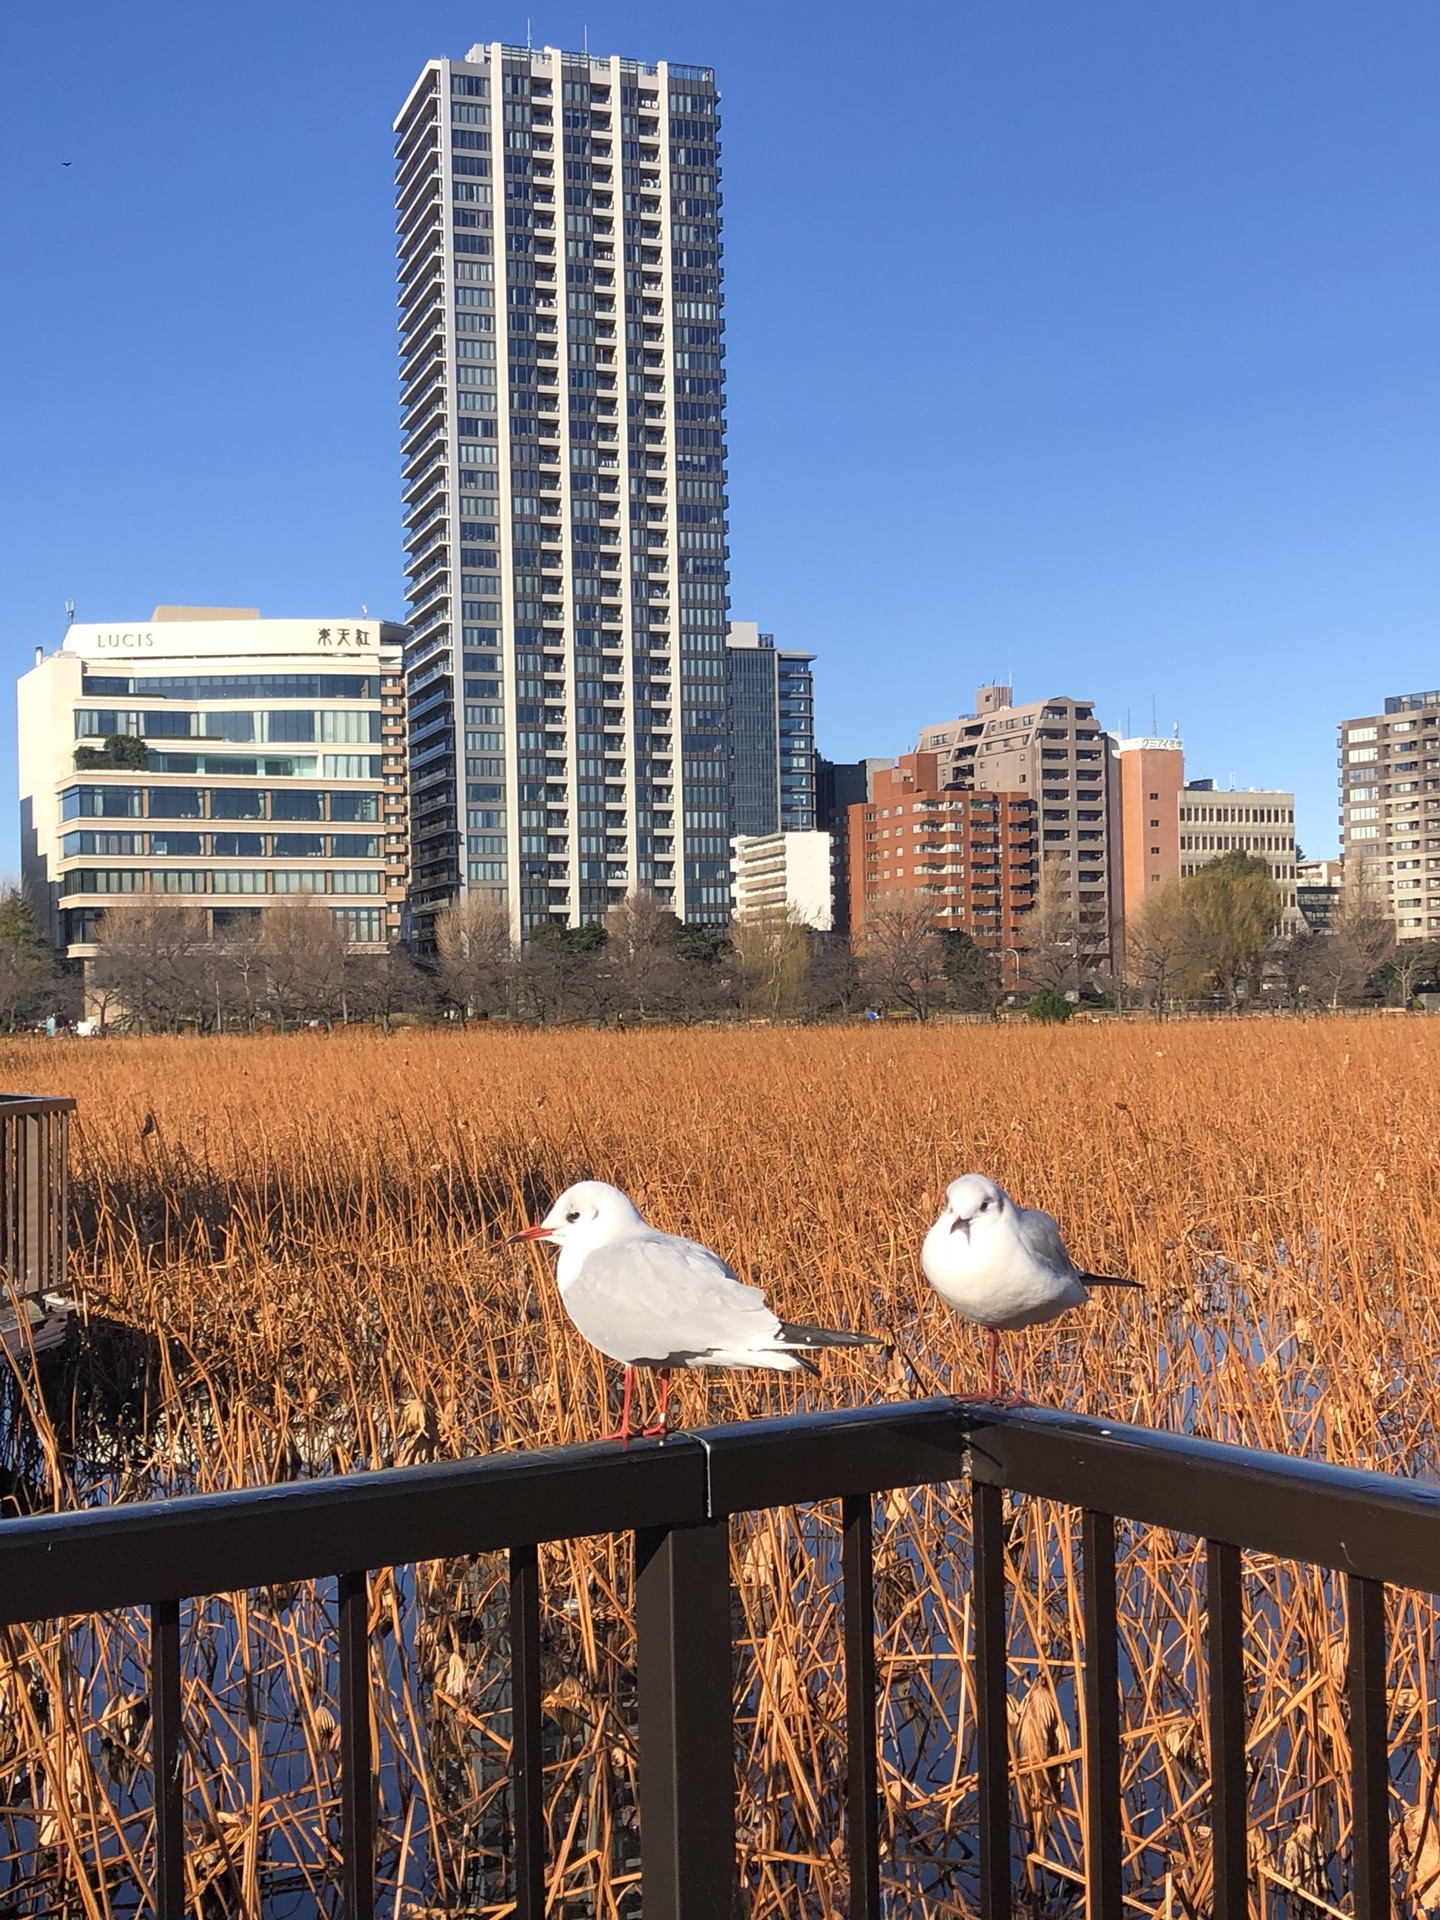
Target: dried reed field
<point>291,1260</point>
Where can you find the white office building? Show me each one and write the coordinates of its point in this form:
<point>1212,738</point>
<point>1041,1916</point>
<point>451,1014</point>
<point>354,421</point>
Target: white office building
<point>773,872</point>
<point>1253,820</point>
<point>563,459</point>
<point>221,760</point>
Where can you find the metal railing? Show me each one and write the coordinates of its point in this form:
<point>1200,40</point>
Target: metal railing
<point>676,1499</point>
<point>34,1193</point>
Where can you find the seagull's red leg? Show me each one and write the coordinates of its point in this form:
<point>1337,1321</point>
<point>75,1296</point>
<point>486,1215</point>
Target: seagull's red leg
<point>622,1432</point>
<point>663,1428</point>
<point>1016,1395</point>
<point>992,1377</point>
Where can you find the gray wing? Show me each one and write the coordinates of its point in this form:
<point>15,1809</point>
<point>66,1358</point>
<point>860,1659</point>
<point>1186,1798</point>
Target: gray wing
<point>655,1299</point>
<point>1040,1237</point>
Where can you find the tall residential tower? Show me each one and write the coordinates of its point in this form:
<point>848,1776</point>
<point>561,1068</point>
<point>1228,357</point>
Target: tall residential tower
<point>564,484</point>
<point>772,733</point>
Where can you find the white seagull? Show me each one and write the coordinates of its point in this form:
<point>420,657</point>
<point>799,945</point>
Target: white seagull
<point>650,1299</point>
<point>1001,1266</point>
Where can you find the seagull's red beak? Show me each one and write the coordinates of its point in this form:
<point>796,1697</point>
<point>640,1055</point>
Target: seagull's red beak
<point>530,1233</point>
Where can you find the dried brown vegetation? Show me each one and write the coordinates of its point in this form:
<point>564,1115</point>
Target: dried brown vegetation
<point>292,1261</point>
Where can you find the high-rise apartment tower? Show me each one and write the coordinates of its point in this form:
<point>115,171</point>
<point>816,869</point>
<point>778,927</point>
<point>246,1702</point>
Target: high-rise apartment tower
<point>771,695</point>
<point>564,484</point>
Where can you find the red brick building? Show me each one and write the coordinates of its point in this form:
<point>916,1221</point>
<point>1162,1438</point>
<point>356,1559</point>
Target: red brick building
<point>971,859</point>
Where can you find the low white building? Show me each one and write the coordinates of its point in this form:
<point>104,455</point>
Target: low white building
<point>771,872</point>
<point>221,760</point>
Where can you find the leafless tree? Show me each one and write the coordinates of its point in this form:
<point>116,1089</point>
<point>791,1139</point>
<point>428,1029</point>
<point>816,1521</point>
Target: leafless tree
<point>150,960</point>
<point>1362,936</point>
<point>640,957</point>
<point>903,956</point>
<point>476,955</point>
<point>306,957</point>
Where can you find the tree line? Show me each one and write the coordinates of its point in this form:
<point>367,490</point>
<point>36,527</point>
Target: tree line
<point>1209,940</point>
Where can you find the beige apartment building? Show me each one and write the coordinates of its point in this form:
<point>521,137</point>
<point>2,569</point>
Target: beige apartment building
<point>1390,809</point>
<point>1054,751</point>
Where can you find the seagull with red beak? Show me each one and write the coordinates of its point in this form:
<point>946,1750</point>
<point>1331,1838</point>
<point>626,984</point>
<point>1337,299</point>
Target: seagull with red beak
<point>650,1299</point>
<point>1003,1267</point>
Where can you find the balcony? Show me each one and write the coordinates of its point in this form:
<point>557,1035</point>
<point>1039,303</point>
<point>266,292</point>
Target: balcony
<point>676,1500</point>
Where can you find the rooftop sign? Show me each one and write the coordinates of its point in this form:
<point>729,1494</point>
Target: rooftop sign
<point>233,639</point>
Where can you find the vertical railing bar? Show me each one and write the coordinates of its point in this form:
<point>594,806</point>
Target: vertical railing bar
<point>685,1702</point>
<point>1100,1706</point>
<point>1229,1785</point>
<point>34,1203</point>
<point>1369,1749</point>
<point>862,1834</point>
<point>167,1760</point>
<point>992,1723</point>
<point>357,1765</point>
<point>527,1779</point>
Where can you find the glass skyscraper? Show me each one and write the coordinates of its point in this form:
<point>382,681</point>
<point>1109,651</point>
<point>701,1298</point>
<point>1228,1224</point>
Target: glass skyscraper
<point>564,484</point>
<point>771,696</point>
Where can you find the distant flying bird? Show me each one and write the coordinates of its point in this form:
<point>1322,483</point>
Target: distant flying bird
<point>1002,1266</point>
<point>650,1299</point>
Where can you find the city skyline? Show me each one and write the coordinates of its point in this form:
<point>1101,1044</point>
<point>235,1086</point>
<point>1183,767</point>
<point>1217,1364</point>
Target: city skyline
<point>1258,523</point>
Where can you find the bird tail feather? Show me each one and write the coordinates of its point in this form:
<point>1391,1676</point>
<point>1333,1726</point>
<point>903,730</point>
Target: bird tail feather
<point>793,1336</point>
<point>1108,1280</point>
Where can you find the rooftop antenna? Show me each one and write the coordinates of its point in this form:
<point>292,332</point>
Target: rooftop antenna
<point>69,613</point>
<point>528,47</point>
<point>585,41</point>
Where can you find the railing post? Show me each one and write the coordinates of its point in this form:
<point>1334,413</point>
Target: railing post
<point>167,1760</point>
<point>527,1785</point>
<point>992,1730</point>
<point>1101,1707</point>
<point>862,1832</point>
<point>357,1767</point>
<point>1229,1786</point>
<point>1369,1749</point>
<point>685,1700</point>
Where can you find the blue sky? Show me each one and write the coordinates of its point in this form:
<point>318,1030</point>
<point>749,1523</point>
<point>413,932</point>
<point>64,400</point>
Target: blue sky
<point>1092,346</point>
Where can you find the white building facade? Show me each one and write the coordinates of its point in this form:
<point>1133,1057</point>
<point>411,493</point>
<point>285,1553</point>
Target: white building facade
<point>775,872</point>
<point>563,459</point>
<point>220,760</point>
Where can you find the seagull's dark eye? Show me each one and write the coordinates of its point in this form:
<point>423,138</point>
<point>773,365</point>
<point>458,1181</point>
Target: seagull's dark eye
<point>572,1217</point>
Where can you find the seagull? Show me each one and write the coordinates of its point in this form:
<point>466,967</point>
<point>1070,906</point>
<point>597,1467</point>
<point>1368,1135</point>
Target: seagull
<point>651,1299</point>
<point>1003,1267</point>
